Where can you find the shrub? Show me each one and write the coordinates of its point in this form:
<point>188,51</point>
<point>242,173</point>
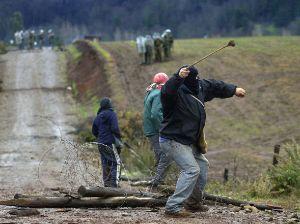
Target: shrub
<point>285,177</point>
<point>139,158</point>
<point>260,188</point>
<point>2,48</point>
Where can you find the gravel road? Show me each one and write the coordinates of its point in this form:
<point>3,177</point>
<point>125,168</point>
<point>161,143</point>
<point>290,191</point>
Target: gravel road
<point>36,111</point>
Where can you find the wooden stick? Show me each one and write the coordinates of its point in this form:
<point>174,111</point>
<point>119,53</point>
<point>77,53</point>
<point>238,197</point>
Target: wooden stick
<point>235,202</point>
<point>67,202</point>
<point>229,44</point>
<point>168,190</point>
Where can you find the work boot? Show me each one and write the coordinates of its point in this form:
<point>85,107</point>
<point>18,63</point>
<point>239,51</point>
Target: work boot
<point>180,214</point>
<point>196,207</point>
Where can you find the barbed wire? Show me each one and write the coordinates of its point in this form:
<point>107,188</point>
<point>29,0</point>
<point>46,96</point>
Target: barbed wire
<point>81,162</point>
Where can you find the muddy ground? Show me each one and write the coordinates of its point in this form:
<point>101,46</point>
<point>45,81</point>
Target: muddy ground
<point>37,119</point>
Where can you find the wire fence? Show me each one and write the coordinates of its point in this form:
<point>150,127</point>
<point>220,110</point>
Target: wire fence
<point>80,163</point>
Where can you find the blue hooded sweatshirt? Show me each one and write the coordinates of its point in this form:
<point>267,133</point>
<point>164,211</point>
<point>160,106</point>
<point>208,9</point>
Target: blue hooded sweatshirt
<point>105,125</point>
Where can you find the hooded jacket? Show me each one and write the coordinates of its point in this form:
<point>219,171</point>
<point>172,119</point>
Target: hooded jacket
<point>105,125</point>
<point>183,115</point>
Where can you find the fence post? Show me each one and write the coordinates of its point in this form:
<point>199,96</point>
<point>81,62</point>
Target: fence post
<point>225,175</point>
<point>276,154</point>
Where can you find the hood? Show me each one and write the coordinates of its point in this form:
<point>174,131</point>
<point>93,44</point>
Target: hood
<point>105,104</point>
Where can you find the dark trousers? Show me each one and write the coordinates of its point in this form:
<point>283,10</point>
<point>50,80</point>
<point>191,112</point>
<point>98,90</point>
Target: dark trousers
<point>109,172</point>
<point>109,165</point>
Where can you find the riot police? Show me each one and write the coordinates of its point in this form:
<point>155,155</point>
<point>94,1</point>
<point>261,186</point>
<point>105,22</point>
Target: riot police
<point>141,47</point>
<point>41,38</point>
<point>51,38</point>
<point>167,42</point>
<point>158,47</point>
<point>31,39</point>
<point>149,50</point>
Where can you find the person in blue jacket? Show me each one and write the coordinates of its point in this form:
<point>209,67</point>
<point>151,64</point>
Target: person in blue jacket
<point>106,130</point>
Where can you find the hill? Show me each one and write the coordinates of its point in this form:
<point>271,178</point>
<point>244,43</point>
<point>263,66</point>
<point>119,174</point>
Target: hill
<point>241,133</point>
<point>187,19</point>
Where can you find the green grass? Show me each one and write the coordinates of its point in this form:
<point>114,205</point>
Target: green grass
<point>3,49</point>
<point>74,52</point>
<point>105,54</point>
<point>258,191</point>
<point>279,185</point>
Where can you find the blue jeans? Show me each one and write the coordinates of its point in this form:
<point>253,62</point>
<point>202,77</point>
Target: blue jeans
<point>162,160</point>
<point>193,176</point>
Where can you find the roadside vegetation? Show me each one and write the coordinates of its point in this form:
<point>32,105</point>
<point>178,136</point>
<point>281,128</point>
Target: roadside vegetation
<point>278,185</point>
<point>2,48</point>
<point>74,53</point>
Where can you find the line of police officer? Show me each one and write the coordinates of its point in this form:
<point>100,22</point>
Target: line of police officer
<point>29,39</point>
<point>153,47</point>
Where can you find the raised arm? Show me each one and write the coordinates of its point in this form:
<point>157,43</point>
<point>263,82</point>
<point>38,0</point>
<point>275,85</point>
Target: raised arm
<point>217,89</point>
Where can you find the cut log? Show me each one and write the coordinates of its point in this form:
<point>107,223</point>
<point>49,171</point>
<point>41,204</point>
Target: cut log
<point>168,190</point>
<point>67,202</point>
<point>106,192</point>
<point>226,200</point>
<point>24,212</point>
<point>18,196</point>
<point>144,183</point>
<point>133,179</point>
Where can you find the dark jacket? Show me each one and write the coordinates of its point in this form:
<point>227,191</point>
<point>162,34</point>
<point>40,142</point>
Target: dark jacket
<point>105,126</point>
<point>152,113</point>
<point>184,116</point>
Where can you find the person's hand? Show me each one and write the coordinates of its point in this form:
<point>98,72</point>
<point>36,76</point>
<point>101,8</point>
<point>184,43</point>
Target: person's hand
<point>240,92</point>
<point>184,72</point>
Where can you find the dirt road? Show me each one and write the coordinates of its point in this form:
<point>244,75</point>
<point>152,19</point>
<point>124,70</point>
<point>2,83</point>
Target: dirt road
<point>36,112</point>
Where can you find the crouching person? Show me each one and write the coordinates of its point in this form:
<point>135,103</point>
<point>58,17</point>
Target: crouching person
<point>106,130</point>
<point>182,99</point>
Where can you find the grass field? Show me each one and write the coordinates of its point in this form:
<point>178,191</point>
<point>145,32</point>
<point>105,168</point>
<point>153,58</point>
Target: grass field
<point>241,132</point>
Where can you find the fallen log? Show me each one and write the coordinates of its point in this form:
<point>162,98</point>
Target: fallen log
<point>132,179</point>
<point>24,212</point>
<point>168,190</point>
<point>67,202</point>
<point>106,192</point>
<point>144,183</point>
<point>226,200</point>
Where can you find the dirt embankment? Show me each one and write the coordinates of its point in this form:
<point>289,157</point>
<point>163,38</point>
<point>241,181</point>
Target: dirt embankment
<point>91,75</point>
<point>88,74</point>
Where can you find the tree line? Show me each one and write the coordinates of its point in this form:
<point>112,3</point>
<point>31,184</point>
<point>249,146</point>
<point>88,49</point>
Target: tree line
<point>123,19</point>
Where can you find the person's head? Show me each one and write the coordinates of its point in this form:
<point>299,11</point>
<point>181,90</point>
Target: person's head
<point>158,81</point>
<point>105,103</point>
<point>191,80</point>
<point>160,78</point>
